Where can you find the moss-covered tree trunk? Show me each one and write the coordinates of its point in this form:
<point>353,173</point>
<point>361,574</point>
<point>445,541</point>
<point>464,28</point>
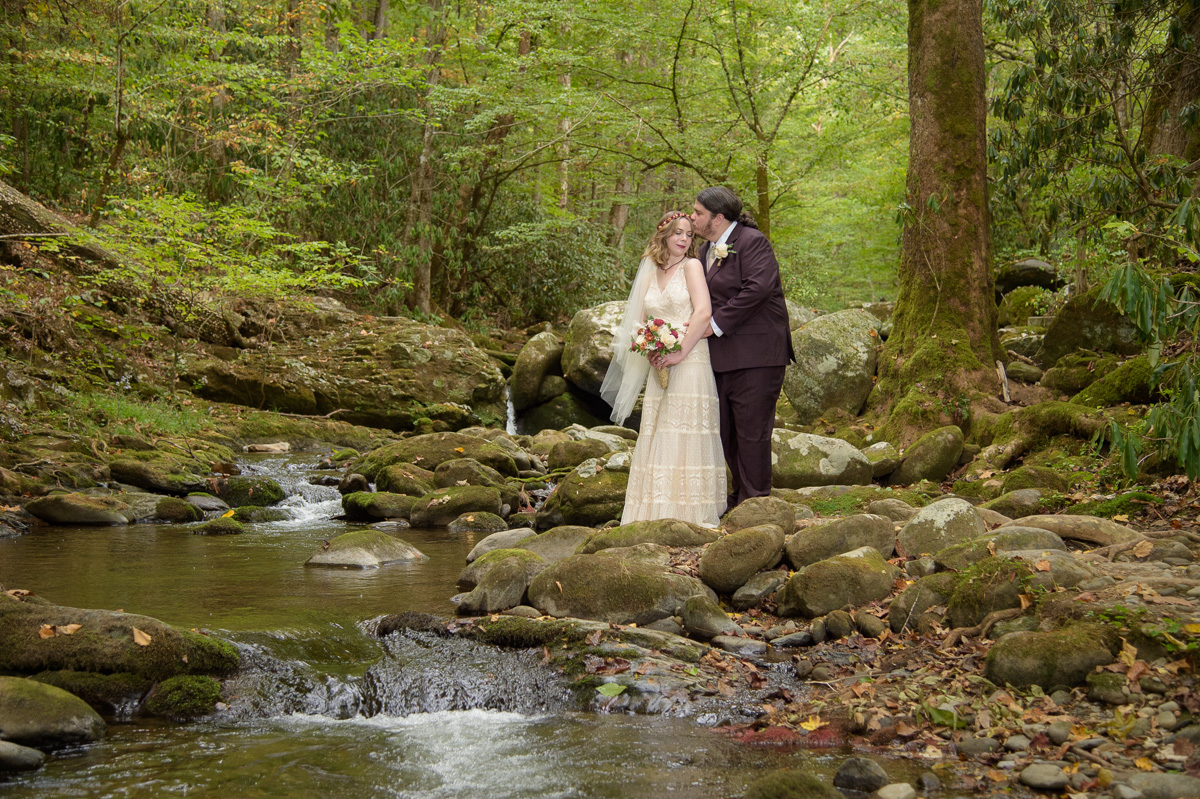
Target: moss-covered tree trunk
<point>942,351</point>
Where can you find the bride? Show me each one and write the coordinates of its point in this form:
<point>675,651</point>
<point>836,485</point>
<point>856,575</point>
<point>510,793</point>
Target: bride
<point>678,470</point>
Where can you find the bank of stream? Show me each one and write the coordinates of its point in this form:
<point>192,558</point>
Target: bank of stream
<point>322,706</point>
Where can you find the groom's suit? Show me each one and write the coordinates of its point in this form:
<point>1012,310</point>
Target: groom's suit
<point>750,355</point>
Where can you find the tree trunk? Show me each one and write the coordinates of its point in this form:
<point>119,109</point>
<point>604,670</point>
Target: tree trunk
<point>564,152</point>
<point>420,205</point>
<point>618,213</point>
<point>944,345</point>
<point>379,29</point>
<point>763,182</point>
<point>1177,89</point>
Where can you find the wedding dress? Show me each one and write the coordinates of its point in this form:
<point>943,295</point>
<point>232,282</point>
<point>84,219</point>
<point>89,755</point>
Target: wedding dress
<point>678,469</point>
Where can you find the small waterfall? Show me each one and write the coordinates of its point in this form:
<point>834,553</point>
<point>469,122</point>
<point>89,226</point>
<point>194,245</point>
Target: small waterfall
<point>305,503</point>
<point>510,425</point>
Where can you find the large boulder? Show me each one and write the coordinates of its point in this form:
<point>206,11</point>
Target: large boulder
<point>1089,324</point>
<point>1090,529</point>
<point>801,460</point>
<point>36,714</point>
<point>587,350</point>
<point>1048,659</point>
<point>928,592</point>
<point>1007,539</point>
<point>478,569</point>
<point>365,549</point>
<point>614,590</point>
<point>835,364</point>
<point>433,449</point>
<point>931,457</point>
<point>1016,504</point>
<point>405,478</point>
<point>1029,272</point>
<point>992,584</point>
<point>541,356</point>
<point>703,618</point>
<point>733,559</point>
<point>159,474</point>
<point>249,490</point>
<point>664,532</point>
<point>368,506</point>
<point>940,525</point>
<point>562,410</point>
<point>80,509</point>
<point>556,543</point>
<point>590,495</point>
<point>502,540</point>
<point>1075,371</point>
<point>823,541</point>
<point>501,588</point>
<point>761,510</point>
<point>1132,382</point>
<point>382,372</point>
<point>855,578</point>
<point>440,507</point>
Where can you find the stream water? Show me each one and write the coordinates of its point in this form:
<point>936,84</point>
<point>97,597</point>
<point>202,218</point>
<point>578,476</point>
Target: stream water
<point>323,708</point>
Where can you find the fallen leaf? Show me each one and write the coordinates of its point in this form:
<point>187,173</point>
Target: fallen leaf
<point>1121,517</point>
<point>1042,565</point>
<point>227,515</point>
<point>1128,654</point>
<point>593,638</point>
<point>459,449</point>
<point>1144,763</point>
<point>1026,602</point>
<point>905,729</point>
<point>141,638</point>
<point>69,629</point>
<point>611,689</point>
<point>46,631</point>
<point>18,593</point>
<point>1143,549</point>
<point>813,723</point>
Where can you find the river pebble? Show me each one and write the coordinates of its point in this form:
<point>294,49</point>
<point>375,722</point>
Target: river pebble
<point>1044,777</point>
<point>14,757</point>
<point>897,790</point>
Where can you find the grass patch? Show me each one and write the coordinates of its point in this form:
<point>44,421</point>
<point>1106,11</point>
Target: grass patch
<point>92,413</point>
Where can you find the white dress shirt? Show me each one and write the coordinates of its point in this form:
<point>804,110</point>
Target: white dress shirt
<point>711,250</point>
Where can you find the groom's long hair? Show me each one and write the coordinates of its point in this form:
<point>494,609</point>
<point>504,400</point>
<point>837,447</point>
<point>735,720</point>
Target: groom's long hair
<point>720,200</point>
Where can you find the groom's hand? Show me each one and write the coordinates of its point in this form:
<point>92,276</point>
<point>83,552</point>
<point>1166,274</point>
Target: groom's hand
<point>708,331</point>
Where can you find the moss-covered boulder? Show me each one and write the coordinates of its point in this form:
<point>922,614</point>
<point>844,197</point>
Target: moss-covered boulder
<point>433,449</point>
<point>823,541</point>
<point>35,714</point>
<point>800,460</point>
<point>855,578</point>
<point>1076,371</point>
<point>990,585</point>
<point>666,532</point>
<point>501,540</point>
<point>1086,323</point>
<point>501,588</point>
<point>1019,503</point>
<point>1126,503</point>
<point>1072,527</point>
<point>790,784</point>
<point>478,568</point>
<point>466,471</point>
<point>1132,382</point>
<point>1034,477</point>
<point>587,348</point>
<point>557,543</point>
<point>569,454</point>
<point>558,412</point>
<point>104,643</point>
<point>177,511</point>
<point>249,490</point>
<point>539,358</point>
<point>590,496</point>
<point>368,506</point>
<point>1049,659</point>
<point>703,618</point>
<point>614,590</point>
<point>730,561</point>
<point>1008,539</point>
<point>834,366</point>
<point>1021,303</point>
<point>222,526</point>
<point>906,610</point>
<point>1023,372</point>
<point>937,526</point>
<point>80,509</point>
<point>478,522</point>
<point>108,694</point>
<point>405,478</point>
<point>253,514</point>
<point>931,457</point>
<point>440,507</point>
<point>365,549</point>
<point>184,697</point>
<point>160,475</point>
<point>758,511</point>
<point>884,458</point>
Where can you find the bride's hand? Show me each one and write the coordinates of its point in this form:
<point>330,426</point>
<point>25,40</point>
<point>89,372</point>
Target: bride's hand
<point>672,359</point>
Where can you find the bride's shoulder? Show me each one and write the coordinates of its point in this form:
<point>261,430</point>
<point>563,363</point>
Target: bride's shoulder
<point>692,263</point>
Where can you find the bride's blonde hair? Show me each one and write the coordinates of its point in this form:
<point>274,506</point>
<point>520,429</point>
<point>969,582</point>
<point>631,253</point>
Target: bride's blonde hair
<point>656,250</point>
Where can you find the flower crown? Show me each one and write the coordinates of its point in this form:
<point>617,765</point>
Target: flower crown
<point>670,218</point>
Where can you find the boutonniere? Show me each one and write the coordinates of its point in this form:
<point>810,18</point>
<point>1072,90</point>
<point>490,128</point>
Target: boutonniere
<point>722,251</point>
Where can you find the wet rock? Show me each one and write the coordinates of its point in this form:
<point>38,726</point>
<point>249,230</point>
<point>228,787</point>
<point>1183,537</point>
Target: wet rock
<point>884,459</point>
<point>35,714</point>
<point>758,511</point>
<point>367,506</point>
<point>813,544</point>
<point>1044,777</point>
<point>430,450</point>
<point>467,471</point>
<point>184,697</point>
<point>440,507</point>
<point>222,526</point>
<point>742,647</point>
<point>590,495</point>
<point>365,549</point>
<point>854,579</point>
<point>177,511</point>
<point>540,357</point>
<point>503,587</point>
<point>405,478</point>
<point>931,457</point>
<point>501,540</point>
<point>757,588</point>
<point>940,525</point>
<point>610,589</point>
<point>249,490</point>
<point>159,475</point>
<point>1016,504</point>
<point>252,514</point>
<point>475,572</point>
<point>353,483</point>
<point>208,503</point>
<point>666,532</point>
<point>730,561</point>
<point>477,522</point>
<point>80,509</point>
<point>704,619</point>
<point>790,784</point>
<point>835,364</point>
<point>14,757</point>
<point>799,460</point>
<point>557,543</point>
<point>1048,659</point>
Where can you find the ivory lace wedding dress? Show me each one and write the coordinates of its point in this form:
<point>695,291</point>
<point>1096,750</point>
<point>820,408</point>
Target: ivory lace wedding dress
<point>678,470</point>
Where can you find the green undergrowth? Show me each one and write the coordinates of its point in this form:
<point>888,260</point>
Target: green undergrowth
<point>1128,504</point>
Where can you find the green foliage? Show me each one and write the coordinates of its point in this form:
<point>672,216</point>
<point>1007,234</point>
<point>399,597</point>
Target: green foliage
<point>93,413</point>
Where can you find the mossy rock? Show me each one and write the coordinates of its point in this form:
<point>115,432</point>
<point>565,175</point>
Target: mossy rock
<point>1005,539</point>
<point>37,714</point>
<point>589,496</point>
<point>222,526</point>
<point>104,643</point>
<point>432,449</point>
<point>405,478</point>
<point>251,514</point>
<point>855,578</point>
<point>843,500</point>
<point>1076,371</point>
<point>1087,323</point>
<point>939,525</point>
<point>159,475</point>
<point>343,455</point>
<point>1048,659</point>
<point>365,549</point>
<point>72,509</point>
<point>1128,504</point>
<point>790,784</point>
<point>177,511</point>
<point>730,561</point>
<point>1022,303</point>
<point>478,568</point>
<point>569,454</point>
<point>1034,477</point>
<point>1023,502</point>
<point>990,585</point>
<point>478,522</point>
<point>106,693</point>
<point>977,489</point>
<point>560,412</point>
<point>927,592</point>
<point>513,632</point>
<point>466,471</point>
<point>931,457</point>
<point>816,543</point>
<point>251,490</point>
<point>666,532</point>
<point>369,506</point>
<point>184,698</point>
<point>540,357</point>
<point>1132,382</point>
<point>440,507</point>
<point>761,510</point>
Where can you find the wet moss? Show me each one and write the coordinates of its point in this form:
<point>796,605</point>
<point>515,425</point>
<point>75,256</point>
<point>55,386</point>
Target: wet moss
<point>858,498</point>
<point>106,693</point>
<point>261,491</point>
<point>514,632</point>
<point>179,511</point>
<point>990,585</point>
<point>222,526</point>
<point>249,514</point>
<point>184,697</point>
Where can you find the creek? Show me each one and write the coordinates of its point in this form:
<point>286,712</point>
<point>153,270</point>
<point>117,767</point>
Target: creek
<point>324,708</point>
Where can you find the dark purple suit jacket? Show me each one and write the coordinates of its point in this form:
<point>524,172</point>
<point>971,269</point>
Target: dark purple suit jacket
<point>747,304</point>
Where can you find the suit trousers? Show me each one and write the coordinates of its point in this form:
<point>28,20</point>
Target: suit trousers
<point>747,399</point>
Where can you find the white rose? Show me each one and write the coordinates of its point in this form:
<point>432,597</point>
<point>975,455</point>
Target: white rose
<point>670,339</point>
<point>721,250</point>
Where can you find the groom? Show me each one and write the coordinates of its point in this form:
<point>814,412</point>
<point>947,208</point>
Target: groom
<point>749,341</point>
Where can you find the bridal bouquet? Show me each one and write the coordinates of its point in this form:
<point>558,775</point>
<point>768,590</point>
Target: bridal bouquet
<point>657,337</point>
